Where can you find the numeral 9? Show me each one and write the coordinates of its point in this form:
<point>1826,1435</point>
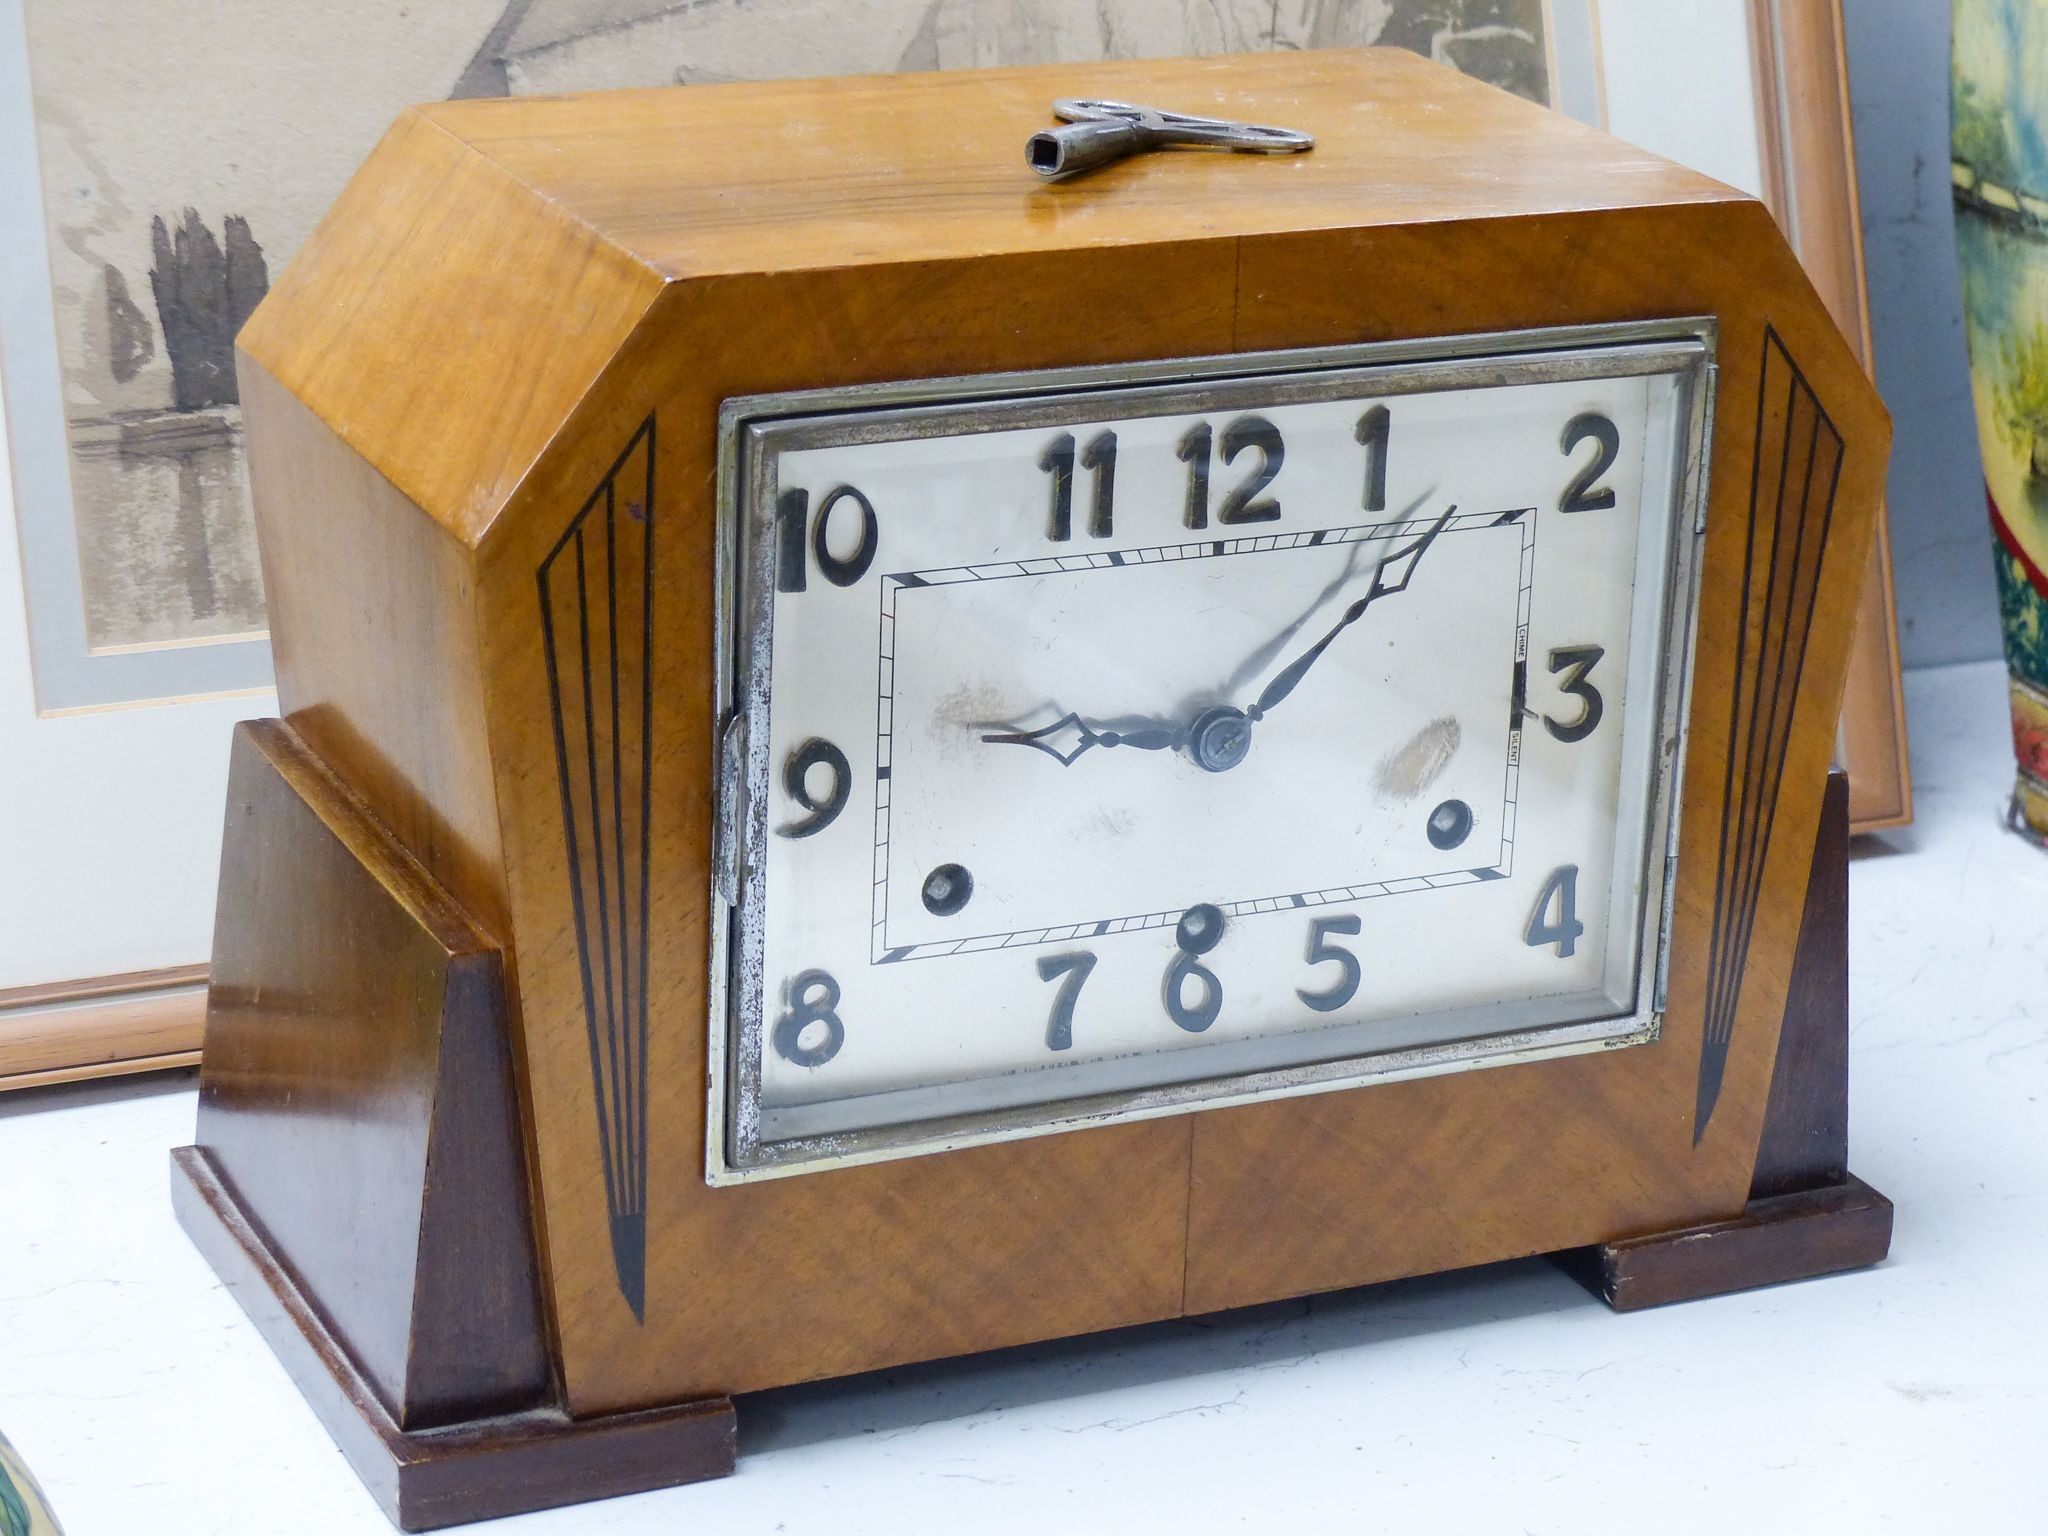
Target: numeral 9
<point>815,753</point>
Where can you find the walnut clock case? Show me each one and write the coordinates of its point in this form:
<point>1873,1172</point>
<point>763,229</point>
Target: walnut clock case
<point>882,760</point>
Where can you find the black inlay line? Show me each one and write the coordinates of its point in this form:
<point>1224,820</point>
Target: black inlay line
<point>614,961</point>
<point>1713,1047</point>
<point>646,790</point>
<point>1318,536</point>
<point>1776,738</point>
<point>1728,802</point>
<point>1775,742</point>
<point>611,598</point>
<point>1783,644</point>
<point>563,777</point>
<point>1726,1002</point>
<point>1803,605</point>
<point>604,922</point>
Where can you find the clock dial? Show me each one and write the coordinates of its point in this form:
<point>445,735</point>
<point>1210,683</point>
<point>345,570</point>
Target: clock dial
<point>1115,750</point>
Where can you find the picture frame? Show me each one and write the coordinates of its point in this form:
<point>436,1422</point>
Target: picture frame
<point>1808,159</point>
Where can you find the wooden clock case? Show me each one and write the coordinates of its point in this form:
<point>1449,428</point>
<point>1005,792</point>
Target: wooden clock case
<point>451,1136</point>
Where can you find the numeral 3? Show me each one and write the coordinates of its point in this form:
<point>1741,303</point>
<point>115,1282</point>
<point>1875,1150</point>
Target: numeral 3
<point>1576,661</point>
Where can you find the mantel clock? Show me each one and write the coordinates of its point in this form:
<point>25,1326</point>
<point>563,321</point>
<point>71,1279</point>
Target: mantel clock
<point>881,758</point>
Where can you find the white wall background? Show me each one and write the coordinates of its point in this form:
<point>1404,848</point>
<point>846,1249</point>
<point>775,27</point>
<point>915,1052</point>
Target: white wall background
<point>109,822</point>
<point>1674,70</point>
<point>1941,539</point>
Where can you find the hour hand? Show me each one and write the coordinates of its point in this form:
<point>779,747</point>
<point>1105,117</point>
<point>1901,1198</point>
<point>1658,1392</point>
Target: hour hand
<point>1066,738</point>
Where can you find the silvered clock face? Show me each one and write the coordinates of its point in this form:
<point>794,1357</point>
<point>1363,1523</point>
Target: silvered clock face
<point>1109,747</point>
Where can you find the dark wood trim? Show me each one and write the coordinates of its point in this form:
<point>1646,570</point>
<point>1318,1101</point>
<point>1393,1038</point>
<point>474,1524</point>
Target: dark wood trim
<point>1798,1236</point>
<point>477,1470</point>
<point>359,1180</point>
<point>1806,1121</point>
<point>1807,1214</point>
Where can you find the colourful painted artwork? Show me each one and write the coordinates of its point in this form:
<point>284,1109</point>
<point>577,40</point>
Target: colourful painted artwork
<point>1999,121</point>
<point>22,1509</point>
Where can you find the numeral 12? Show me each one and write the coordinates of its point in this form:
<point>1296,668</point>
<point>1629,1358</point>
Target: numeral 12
<point>1244,502</point>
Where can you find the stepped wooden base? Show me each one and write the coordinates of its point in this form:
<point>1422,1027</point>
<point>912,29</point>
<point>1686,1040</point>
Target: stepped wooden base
<point>1807,1214</point>
<point>477,1470</point>
<point>1798,1236</point>
<point>359,1184</point>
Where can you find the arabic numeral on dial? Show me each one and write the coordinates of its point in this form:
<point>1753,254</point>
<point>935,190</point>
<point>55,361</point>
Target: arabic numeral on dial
<point>1375,428</point>
<point>1576,661</point>
<point>1563,887</point>
<point>1585,493</point>
<point>796,783</point>
<point>1099,458</point>
<point>1199,931</point>
<point>1321,950</point>
<point>1198,1017</point>
<point>1058,461</point>
<point>1193,451</point>
<point>794,1028</point>
<point>792,520</point>
<point>1244,503</point>
<point>1070,970</point>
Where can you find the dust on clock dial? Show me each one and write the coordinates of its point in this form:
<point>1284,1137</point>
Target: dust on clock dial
<point>995,870</point>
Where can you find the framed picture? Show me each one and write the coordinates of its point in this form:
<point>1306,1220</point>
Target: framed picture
<point>160,178</point>
<point>1809,181</point>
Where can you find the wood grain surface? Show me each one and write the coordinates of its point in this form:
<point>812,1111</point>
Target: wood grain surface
<point>1823,1230</point>
<point>388,1172</point>
<point>509,291</point>
<point>105,1035</point>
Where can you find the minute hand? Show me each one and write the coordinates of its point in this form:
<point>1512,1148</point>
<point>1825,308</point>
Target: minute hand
<point>1391,576</point>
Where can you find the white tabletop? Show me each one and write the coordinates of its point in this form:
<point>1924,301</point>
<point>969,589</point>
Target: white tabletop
<point>1906,1398</point>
